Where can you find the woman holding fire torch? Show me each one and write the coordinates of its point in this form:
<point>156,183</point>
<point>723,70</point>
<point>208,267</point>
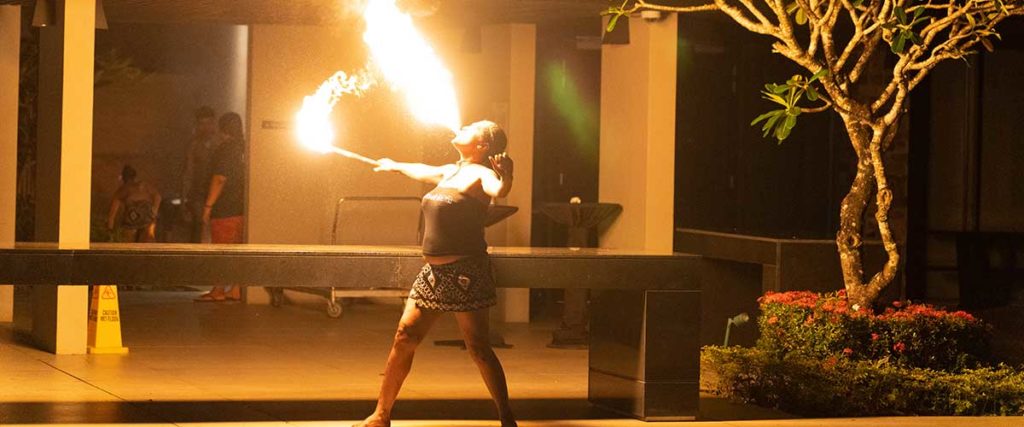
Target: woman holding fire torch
<point>457,276</point>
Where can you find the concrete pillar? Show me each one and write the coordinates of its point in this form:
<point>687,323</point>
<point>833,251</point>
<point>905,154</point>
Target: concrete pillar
<point>522,83</point>
<point>67,52</point>
<point>10,46</point>
<point>638,108</point>
<point>657,376</point>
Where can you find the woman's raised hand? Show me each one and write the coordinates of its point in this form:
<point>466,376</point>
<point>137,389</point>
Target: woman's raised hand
<point>386,165</point>
<point>502,165</point>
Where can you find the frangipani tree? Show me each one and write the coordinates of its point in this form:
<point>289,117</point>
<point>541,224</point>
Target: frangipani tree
<point>836,41</point>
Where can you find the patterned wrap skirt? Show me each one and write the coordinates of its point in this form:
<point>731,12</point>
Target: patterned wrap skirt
<point>464,285</point>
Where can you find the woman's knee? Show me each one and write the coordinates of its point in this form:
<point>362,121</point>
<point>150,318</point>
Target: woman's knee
<point>407,338</point>
<point>480,350</point>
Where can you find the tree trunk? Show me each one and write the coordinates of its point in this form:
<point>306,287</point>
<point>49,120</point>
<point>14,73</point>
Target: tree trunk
<point>883,200</point>
<point>868,144</point>
<point>849,238</point>
<point>851,215</point>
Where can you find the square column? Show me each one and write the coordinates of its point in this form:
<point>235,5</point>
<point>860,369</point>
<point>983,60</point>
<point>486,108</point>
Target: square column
<point>645,345</point>
<point>638,134</point>
<point>66,61</point>
<point>10,55</point>
<point>515,303</point>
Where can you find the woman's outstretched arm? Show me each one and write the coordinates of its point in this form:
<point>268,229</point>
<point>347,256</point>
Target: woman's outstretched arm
<point>418,171</point>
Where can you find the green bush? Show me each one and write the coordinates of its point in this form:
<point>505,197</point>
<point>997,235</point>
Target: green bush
<point>914,335</point>
<point>840,386</point>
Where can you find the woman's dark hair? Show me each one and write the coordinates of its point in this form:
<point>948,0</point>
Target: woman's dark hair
<point>493,136</point>
<point>231,124</point>
<point>128,174</point>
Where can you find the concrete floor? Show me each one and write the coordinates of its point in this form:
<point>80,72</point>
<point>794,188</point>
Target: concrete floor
<point>231,364</point>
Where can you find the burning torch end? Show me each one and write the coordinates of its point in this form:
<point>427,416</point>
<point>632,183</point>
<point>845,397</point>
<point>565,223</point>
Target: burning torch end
<point>355,156</point>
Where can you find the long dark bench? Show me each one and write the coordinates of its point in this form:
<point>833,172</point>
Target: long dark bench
<point>645,314</point>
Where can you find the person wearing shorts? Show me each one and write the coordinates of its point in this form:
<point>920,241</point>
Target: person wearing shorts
<point>457,276</point>
<point>225,200</point>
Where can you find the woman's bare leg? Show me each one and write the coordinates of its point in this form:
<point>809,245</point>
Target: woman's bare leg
<point>476,331</point>
<point>412,329</point>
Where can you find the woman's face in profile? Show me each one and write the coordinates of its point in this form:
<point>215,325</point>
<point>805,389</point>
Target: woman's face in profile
<point>466,136</point>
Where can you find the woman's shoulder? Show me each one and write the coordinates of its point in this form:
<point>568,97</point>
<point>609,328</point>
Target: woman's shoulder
<point>477,168</point>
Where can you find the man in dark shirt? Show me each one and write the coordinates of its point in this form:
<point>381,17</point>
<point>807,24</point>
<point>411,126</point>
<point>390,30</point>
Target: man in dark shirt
<point>227,173</point>
<point>225,202</point>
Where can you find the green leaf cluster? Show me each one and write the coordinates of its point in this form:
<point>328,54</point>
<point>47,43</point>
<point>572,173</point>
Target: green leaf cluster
<point>615,12</point>
<point>780,122</point>
<point>799,16</point>
<point>903,28</point>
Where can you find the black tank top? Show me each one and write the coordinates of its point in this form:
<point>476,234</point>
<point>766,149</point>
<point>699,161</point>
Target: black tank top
<point>453,223</point>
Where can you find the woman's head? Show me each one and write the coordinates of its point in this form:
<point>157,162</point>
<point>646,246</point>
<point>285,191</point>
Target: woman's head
<point>230,126</point>
<point>128,174</point>
<point>481,140</point>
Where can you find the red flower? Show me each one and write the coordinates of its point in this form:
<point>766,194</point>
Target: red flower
<point>897,304</point>
<point>899,347</point>
<point>963,315</point>
<point>874,336</point>
<point>810,319</point>
<point>805,299</point>
<point>841,294</point>
<point>847,351</point>
<point>773,320</point>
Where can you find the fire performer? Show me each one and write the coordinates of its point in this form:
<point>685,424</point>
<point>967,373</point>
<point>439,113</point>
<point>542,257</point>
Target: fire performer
<point>457,276</point>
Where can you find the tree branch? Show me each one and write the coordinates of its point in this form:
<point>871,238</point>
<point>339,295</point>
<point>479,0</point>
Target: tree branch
<point>640,4</point>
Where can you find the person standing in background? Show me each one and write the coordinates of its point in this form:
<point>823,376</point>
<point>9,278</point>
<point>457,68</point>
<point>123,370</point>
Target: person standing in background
<point>137,203</point>
<point>196,179</point>
<point>225,202</point>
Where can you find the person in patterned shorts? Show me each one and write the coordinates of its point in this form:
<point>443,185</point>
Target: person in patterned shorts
<point>457,276</point>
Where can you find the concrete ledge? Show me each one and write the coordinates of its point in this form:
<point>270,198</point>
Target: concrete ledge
<point>338,266</point>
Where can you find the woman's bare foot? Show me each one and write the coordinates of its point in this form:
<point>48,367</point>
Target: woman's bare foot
<point>374,420</point>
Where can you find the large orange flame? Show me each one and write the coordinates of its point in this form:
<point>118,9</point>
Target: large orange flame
<point>313,122</point>
<point>410,65</point>
<point>405,60</point>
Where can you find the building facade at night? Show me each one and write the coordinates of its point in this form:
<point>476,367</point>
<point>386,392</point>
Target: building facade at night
<point>652,119</point>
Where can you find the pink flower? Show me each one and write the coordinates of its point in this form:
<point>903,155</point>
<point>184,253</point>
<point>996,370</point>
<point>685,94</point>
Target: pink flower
<point>899,347</point>
<point>897,304</point>
<point>874,336</point>
<point>847,351</point>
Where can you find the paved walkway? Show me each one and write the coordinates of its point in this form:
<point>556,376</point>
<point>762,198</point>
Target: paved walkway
<point>197,364</point>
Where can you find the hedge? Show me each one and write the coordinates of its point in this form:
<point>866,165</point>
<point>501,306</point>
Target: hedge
<point>840,386</point>
<point>819,326</point>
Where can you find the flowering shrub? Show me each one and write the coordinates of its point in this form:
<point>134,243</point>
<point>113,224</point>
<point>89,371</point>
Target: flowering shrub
<point>840,386</point>
<point>826,325</point>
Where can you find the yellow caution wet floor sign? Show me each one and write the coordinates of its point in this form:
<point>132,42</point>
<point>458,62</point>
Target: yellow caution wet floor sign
<point>105,322</point>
